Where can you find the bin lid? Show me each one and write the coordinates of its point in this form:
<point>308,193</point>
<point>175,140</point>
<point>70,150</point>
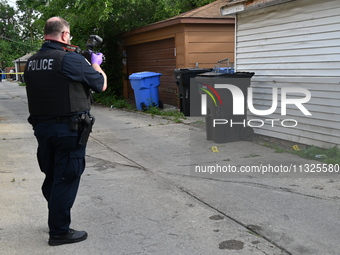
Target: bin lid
<point>230,75</point>
<point>192,70</point>
<point>142,75</point>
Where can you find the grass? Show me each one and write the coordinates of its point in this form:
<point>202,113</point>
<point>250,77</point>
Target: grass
<point>112,101</point>
<point>118,103</point>
<point>173,115</point>
<point>325,155</point>
<point>328,156</point>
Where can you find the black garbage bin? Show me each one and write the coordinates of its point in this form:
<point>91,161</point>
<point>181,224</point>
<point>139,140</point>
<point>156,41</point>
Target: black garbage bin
<point>222,125</point>
<point>183,77</point>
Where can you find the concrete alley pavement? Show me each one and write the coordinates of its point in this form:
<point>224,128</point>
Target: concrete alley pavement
<point>139,194</point>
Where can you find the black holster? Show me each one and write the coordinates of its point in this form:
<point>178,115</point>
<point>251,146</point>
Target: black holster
<point>86,123</point>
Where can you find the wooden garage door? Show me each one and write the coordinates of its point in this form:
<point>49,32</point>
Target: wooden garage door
<point>158,56</point>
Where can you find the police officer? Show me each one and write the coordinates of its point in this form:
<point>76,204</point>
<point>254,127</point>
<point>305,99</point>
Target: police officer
<point>58,82</point>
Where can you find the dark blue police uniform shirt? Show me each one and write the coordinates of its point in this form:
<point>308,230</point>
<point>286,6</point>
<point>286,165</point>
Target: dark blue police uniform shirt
<point>77,68</point>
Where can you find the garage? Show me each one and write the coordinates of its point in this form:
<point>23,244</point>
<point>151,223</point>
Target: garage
<point>199,37</point>
<point>157,56</point>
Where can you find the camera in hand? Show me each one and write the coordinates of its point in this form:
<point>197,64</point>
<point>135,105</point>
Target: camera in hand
<point>92,42</point>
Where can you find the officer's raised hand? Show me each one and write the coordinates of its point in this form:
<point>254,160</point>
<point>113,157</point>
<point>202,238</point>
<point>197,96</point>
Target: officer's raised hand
<point>96,61</point>
<point>96,58</point>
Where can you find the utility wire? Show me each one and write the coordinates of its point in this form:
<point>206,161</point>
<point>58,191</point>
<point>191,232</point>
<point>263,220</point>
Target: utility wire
<point>8,39</point>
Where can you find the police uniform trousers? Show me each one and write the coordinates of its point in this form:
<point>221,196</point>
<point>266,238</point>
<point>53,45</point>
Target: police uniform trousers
<point>62,160</point>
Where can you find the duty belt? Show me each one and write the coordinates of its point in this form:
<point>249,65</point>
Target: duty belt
<point>64,119</point>
<point>82,122</point>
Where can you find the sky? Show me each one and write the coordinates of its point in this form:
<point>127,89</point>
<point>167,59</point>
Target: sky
<point>12,2</point>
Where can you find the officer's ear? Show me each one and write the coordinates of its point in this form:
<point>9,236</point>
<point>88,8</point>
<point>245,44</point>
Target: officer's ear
<point>64,37</point>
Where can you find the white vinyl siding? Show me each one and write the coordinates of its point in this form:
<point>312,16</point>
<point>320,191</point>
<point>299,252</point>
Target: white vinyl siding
<point>296,44</point>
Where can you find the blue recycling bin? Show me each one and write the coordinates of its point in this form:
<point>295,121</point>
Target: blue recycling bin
<point>145,87</point>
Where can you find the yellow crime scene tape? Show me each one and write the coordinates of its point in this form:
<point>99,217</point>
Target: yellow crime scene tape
<point>13,73</point>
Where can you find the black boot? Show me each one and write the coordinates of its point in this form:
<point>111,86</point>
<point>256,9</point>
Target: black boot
<point>73,236</point>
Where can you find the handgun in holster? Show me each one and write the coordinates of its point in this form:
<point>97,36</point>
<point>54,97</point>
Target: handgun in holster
<point>87,121</point>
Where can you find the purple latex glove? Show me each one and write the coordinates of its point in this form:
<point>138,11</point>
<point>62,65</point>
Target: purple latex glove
<point>96,58</point>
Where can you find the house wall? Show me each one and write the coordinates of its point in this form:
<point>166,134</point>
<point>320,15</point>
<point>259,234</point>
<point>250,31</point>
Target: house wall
<point>294,45</point>
<point>204,44</point>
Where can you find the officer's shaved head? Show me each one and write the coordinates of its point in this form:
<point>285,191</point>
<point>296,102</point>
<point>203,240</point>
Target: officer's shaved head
<point>57,29</point>
<point>55,25</point>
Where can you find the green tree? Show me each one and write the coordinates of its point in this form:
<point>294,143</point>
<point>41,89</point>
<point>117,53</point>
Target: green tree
<point>31,25</point>
<point>7,34</point>
<point>14,42</point>
<point>106,18</point>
